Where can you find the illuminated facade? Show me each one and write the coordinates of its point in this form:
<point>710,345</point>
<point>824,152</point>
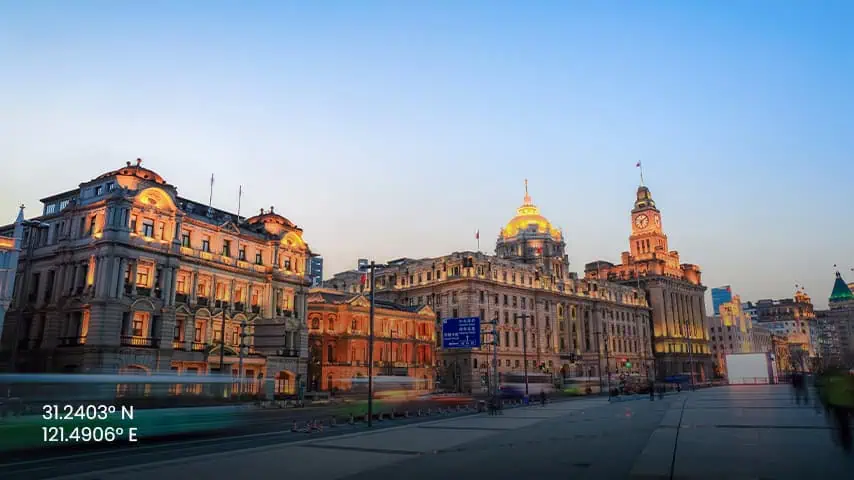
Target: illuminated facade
<point>731,331</point>
<point>128,276</point>
<point>572,327</point>
<point>674,289</point>
<point>10,247</point>
<point>338,325</point>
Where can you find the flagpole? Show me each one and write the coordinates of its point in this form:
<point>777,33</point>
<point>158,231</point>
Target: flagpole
<point>239,197</point>
<point>210,198</point>
<point>477,237</point>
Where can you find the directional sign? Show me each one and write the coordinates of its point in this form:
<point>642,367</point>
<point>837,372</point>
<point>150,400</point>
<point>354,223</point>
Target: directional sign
<point>461,332</point>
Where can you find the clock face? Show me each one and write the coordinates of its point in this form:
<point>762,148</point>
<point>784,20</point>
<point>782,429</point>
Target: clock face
<point>641,221</point>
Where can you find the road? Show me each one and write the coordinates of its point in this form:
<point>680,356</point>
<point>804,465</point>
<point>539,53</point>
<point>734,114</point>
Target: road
<point>728,432</point>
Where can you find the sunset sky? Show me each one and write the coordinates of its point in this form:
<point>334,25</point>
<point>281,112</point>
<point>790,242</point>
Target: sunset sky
<point>390,129</point>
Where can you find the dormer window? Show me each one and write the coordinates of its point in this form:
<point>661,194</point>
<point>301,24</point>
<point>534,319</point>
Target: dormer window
<point>111,186</point>
<point>99,190</point>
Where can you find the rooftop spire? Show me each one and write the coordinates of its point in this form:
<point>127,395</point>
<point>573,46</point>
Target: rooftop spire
<point>527,200</point>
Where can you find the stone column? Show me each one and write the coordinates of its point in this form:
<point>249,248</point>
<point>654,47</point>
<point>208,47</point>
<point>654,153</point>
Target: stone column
<point>173,275</point>
<point>194,288</point>
<point>59,283</point>
<point>190,332</point>
<point>114,277</point>
<point>166,288</point>
<point>212,294</point>
<point>155,279</point>
<point>133,276</point>
<point>231,284</point>
<point>123,264</point>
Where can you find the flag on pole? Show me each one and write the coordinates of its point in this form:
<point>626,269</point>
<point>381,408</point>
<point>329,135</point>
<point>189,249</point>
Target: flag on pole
<point>638,164</point>
<point>477,234</point>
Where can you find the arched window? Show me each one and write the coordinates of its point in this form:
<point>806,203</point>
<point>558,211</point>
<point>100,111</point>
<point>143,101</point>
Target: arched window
<point>315,322</point>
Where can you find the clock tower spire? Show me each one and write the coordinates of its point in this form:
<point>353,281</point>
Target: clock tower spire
<point>647,236</point>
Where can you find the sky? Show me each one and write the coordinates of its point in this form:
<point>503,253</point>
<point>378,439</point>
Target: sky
<point>392,129</point>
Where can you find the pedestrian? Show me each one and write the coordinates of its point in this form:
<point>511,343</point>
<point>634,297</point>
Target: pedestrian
<point>543,397</point>
<point>840,398</point>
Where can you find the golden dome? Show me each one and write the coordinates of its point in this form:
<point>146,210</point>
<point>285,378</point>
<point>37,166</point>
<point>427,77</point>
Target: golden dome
<point>526,216</point>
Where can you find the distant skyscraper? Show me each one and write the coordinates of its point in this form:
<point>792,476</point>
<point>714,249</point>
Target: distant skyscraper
<point>315,270</point>
<point>721,295</point>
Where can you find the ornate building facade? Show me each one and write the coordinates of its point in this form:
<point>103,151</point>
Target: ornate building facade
<point>338,326</point>
<point>838,325</point>
<point>126,275</point>
<point>546,316</point>
<point>674,290</point>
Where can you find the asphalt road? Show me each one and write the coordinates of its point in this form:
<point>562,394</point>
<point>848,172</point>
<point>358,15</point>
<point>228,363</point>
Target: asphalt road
<point>264,427</point>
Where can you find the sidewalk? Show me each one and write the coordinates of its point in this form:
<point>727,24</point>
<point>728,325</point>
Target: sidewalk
<point>346,455</point>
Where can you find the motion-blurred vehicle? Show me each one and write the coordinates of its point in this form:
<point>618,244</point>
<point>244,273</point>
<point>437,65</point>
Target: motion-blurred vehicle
<point>512,385</point>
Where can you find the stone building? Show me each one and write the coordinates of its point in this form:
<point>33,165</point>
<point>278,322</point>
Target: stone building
<point>838,324</point>
<point>794,319</point>
<point>10,246</point>
<point>127,276</point>
<point>546,316</point>
<point>338,326</point>
<point>674,290</point>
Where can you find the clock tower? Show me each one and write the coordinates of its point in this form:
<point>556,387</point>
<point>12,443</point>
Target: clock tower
<point>647,237</point>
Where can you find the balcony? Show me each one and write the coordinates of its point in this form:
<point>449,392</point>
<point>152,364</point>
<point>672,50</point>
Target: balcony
<point>181,297</point>
<point>72,341</point>
<point>288,352</point>
<point>202,301</point>
<point>239,307</point>
<point>143,291</point>
<point>198,347</point>
<point>178,345</point>
<point>133,341</point>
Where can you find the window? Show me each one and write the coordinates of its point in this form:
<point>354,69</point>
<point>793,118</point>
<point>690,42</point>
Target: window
<point>142,277</point>
<point>138,325</point>
<point>241,254</point>
<point>505,299</point>
<point>99,190</point>
<point>161,231</point>
<point>185,239</point>
<point>206,244</point>
<point>49,209</point>
<point>482,295</point>
<point>181,284</point>
<point>515,339</point>
<point>286,264</point>
<point>63,204</point>
<point>111,186</point>
<point>92,225</point>
<point>148,228</point>
<point>506,317</point>
<point>179,326</point>
<point>226,248</point>
<point>482,315</point>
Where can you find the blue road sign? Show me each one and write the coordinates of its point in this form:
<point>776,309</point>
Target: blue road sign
<point>461,332</point>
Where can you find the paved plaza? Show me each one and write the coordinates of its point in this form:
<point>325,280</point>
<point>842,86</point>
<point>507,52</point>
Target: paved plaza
<point>739,432</point>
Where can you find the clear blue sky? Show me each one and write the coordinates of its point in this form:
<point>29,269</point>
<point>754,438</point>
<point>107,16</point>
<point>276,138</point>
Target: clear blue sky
<point>390,129</point>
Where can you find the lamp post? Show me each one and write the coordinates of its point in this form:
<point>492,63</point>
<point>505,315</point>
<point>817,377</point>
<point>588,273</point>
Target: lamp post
<point>33,225</point>
<point>222,342</point>
<point>371,350</point>
<point>524,317</point>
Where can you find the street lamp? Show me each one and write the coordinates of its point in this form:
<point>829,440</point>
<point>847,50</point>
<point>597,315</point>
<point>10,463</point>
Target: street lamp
<point>524,317</point>
<point>32,224</point>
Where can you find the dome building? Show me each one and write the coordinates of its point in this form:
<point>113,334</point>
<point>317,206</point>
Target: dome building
<point>127,276</point>
<point>542,318</point>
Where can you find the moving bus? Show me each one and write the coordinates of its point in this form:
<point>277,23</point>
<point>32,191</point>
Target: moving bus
<point>512,385</point>
<point>581,385</point>
<point>92,406</point>
<point>391,387</point>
